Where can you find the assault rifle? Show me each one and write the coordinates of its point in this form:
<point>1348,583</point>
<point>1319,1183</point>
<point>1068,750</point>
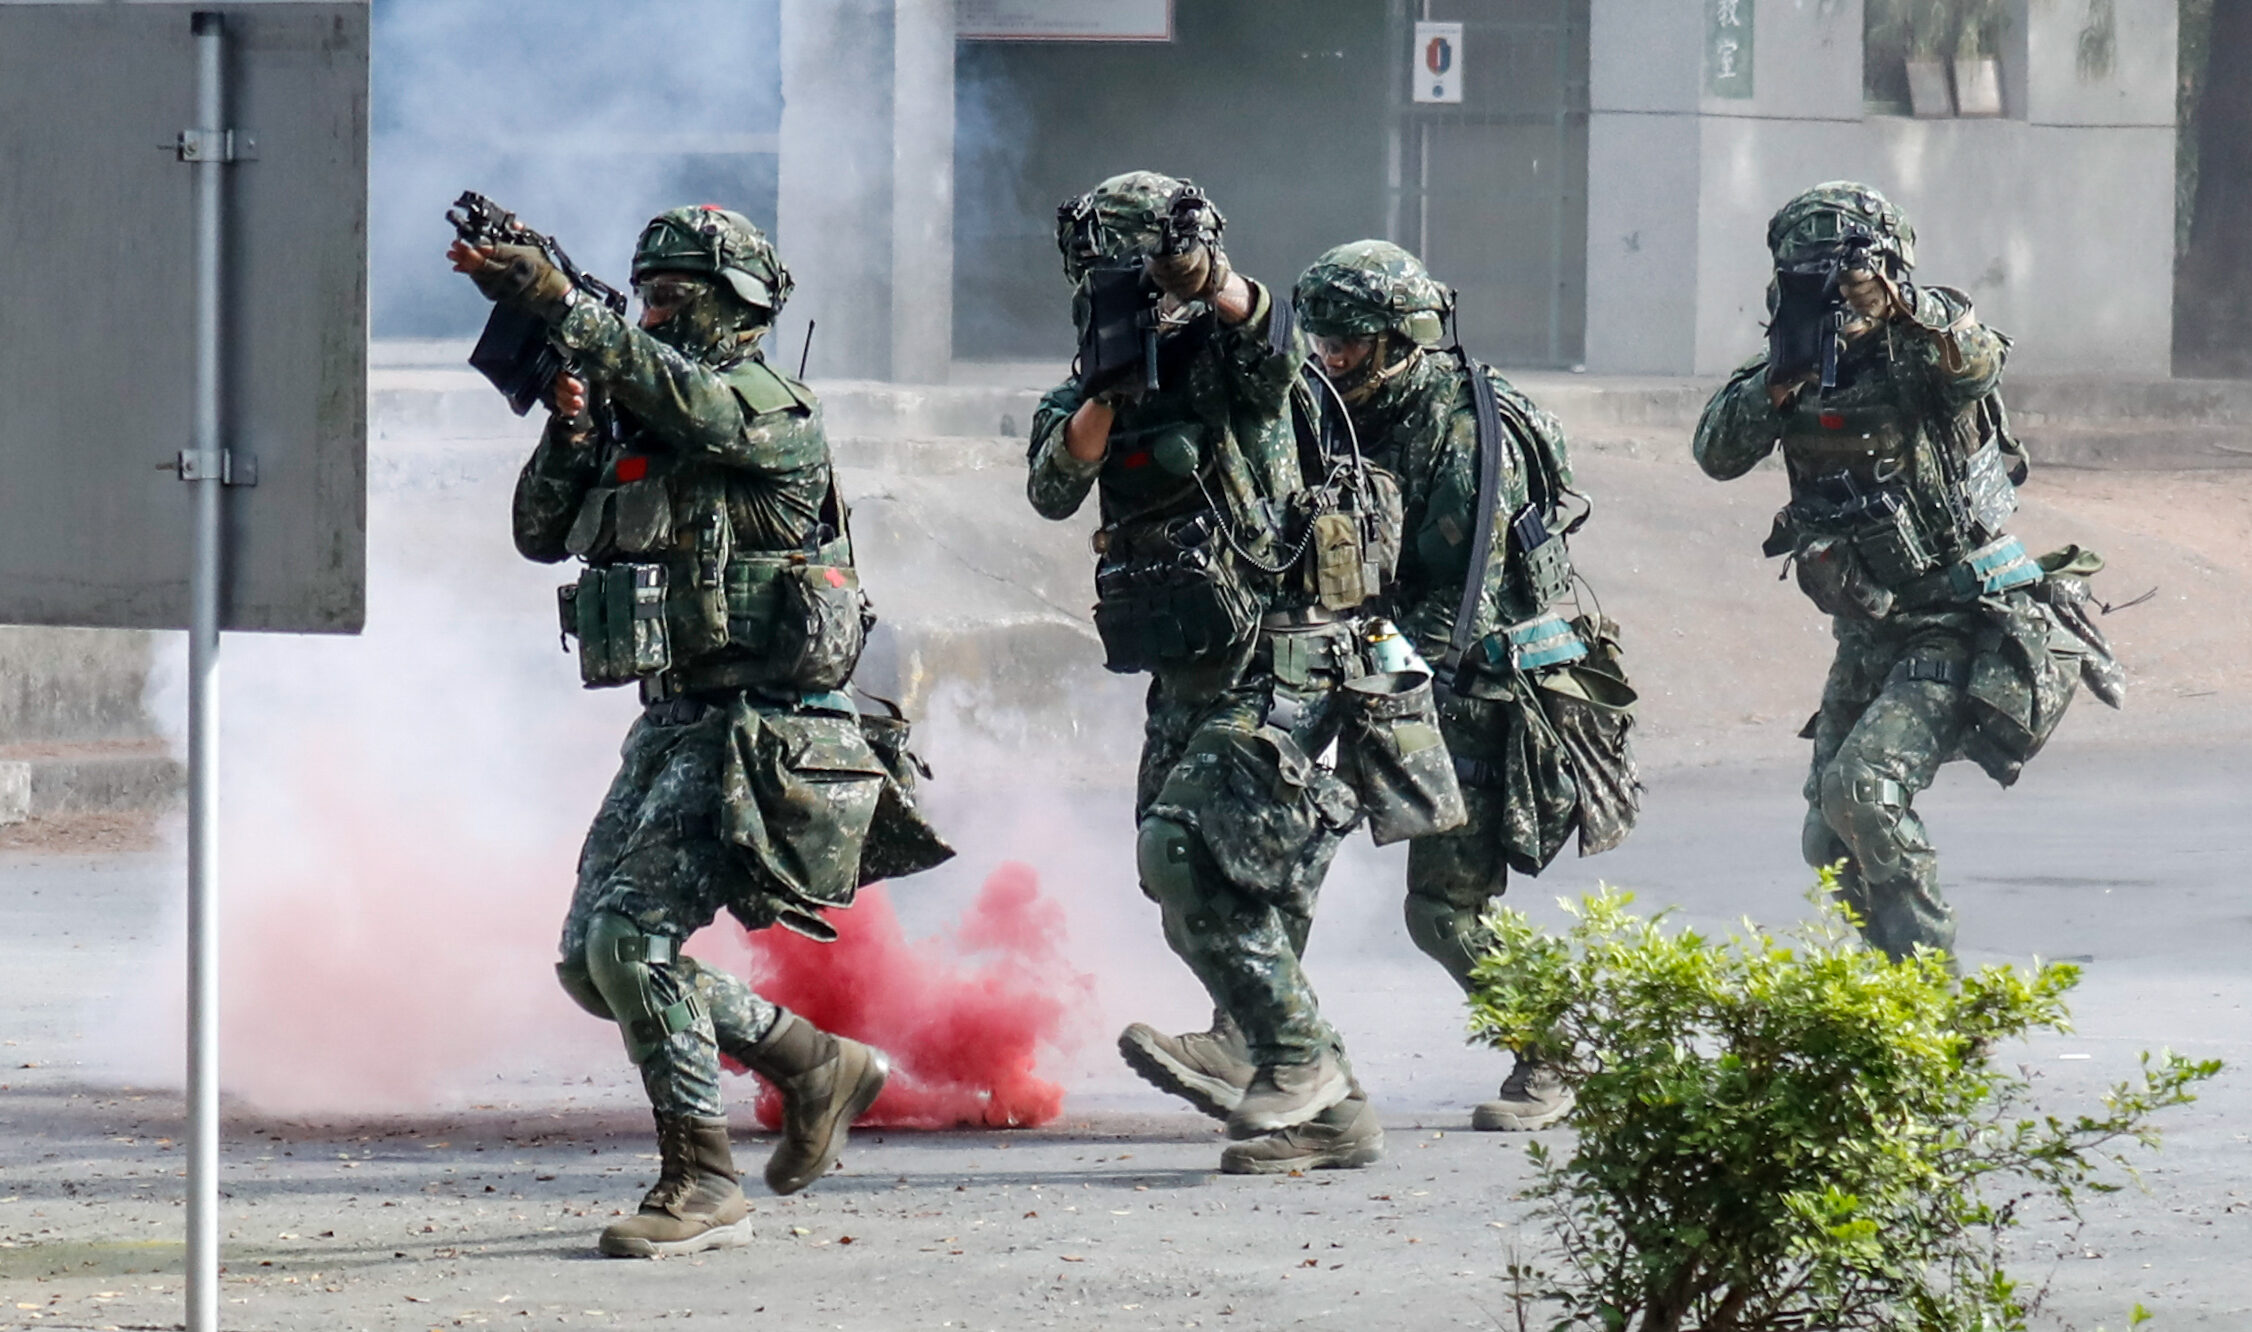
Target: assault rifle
<point>514,351</point>
<point>1808,325</point>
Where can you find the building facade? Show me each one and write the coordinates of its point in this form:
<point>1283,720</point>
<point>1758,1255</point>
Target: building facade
<point>1598,195</point>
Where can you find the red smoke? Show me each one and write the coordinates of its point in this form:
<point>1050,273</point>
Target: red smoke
<point>962,1015</point>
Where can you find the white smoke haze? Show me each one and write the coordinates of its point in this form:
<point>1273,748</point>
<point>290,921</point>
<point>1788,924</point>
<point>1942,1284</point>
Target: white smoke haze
<point>585,117</point>
<point>401,811</point>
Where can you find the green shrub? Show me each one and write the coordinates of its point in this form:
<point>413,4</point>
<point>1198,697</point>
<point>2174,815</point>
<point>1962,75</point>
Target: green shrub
<point>1791,1132</point>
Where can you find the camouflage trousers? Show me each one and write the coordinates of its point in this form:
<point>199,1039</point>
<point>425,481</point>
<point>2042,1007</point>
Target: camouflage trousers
<point>1454,877</point>
<point>1238,825</point>
<point>656,858</point>
<point>1893,710</point>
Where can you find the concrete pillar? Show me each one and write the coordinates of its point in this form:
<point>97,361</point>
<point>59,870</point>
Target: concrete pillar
<point>865,217</point>
<point>1644,183</point>
<point>834,210</point>
<point>922,226</point>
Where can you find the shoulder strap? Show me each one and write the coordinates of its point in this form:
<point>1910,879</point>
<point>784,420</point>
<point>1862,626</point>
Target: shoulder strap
<point>1282,321</point>
<point>1490,445</point>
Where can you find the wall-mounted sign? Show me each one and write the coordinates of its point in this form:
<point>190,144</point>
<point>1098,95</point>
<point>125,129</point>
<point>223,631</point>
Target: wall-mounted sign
<point>1435,71</point>
<point>1064,20</point>
<point>1728,48</point>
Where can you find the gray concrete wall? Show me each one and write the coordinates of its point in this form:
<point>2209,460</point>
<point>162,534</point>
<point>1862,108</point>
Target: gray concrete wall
<point>865,217</point>
<point>2058,218</point>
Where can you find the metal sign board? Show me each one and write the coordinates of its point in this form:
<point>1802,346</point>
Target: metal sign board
<point>1064,20</point>
<point>1437,76</point>
<point>97,227</point>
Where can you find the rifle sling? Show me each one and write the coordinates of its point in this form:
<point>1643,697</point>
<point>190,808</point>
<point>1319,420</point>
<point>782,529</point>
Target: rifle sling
<point>1490,444</point>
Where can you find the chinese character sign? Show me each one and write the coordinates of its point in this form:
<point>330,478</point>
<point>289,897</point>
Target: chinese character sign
<point>1728,48</point>
<point>1436,62</point>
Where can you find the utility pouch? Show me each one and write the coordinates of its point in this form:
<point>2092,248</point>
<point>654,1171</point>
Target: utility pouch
<point>1891,549</point>
<point>1590,708</point>
<point>1393,757</point>
<point>2021,682</point>
<point>1547,568</point>
<point>900,840</point>
<point>594,533</point>
<point>619,614</point>
<point>1187,605</point>
<point>642,516</point>
<point>820,626</point>
<point>1830,573</point>
<point>1343,578</point>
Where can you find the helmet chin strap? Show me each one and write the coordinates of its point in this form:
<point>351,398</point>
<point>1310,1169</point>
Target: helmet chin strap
<point>1374,374</point>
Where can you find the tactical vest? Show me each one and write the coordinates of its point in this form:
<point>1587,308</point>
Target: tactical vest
<point>1885,511</point>
<point>669,592</point>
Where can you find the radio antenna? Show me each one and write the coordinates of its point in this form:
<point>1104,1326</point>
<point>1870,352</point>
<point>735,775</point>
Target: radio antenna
<point>807,349</point>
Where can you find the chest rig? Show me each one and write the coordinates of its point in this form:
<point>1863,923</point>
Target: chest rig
<point>1892,506</point>
<point>668,599</point>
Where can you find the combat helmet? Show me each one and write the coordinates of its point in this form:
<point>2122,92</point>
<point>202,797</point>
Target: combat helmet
<point>1372,286</point>
<point>1813,225</point>
<point>1120,219</point>
<point>707,238</point>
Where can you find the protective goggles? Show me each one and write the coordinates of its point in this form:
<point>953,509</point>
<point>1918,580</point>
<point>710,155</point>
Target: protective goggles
<point>669,291</point>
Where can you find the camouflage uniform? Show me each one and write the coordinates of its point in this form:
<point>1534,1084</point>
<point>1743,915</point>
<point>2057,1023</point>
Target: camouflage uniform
<point>704,473</point>
<point>1413,413</point>
<point>1238,823</point>
<point>1951,641</point>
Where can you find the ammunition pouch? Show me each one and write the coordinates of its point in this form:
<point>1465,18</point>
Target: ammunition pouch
<point>1189,603</point>
<point>1344,577</point>
<point>617,612</point>
<point>1544,568</point>
<point>801,614</point>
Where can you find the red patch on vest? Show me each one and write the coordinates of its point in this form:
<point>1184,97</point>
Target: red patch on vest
<point>835,576</point>
<point>1138,458</point>
<point>632,467</point>
<point>1832,421</point>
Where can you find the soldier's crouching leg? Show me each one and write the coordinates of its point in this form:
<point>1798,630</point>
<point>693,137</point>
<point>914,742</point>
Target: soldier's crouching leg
<point>1242,950</point>
<point>1452,879</point>
<point>1892,873</point>
<point>667,1029</point>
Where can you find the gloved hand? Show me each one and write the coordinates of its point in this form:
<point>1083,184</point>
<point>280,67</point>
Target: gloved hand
<point>1192,265</point>
<point>518,275</point>
<point>1874,296</point>
<point>1188,276</point>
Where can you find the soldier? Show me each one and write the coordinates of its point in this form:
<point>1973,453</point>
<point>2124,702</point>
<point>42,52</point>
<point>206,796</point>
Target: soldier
<point>695,483</point>
<point>1951,640</point>
<point>1376,317</point>
<point>1206,537</point>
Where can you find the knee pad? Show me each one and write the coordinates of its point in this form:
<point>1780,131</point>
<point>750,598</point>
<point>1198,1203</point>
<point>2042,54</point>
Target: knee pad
<point>1818,841</point>
<point>1448,934</point>
<point>625,963</point>
<point>1859,802</point>
<point>578,983</point>
<point>1165,857</point>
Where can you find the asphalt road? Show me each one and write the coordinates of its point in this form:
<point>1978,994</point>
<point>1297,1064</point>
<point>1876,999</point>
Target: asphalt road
<point>482,1211</point>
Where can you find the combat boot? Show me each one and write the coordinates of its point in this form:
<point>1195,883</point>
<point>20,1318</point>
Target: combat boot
<point>1283,1095</point>
<point>1533,1096</point>
<point>1346,1136</point>
<point>1208,1069</point>
<point>826,1082</point>
<point>696,1204</point>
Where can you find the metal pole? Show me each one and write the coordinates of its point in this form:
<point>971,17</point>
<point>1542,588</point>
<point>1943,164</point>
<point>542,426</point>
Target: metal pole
<point>203,699</point>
